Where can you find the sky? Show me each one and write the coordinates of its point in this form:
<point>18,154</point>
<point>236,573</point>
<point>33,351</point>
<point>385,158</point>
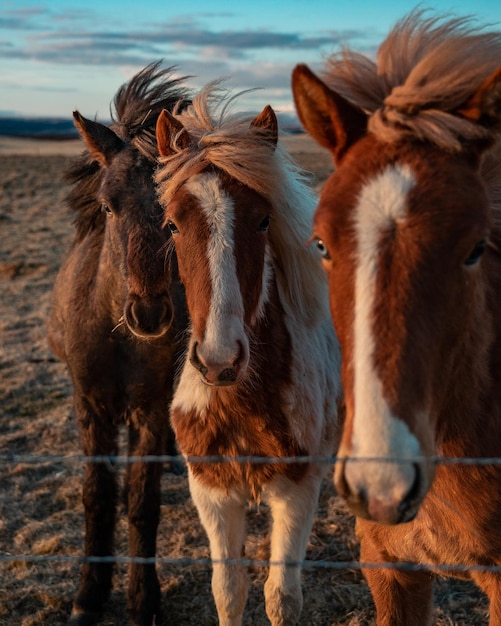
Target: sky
<point>57,56</point>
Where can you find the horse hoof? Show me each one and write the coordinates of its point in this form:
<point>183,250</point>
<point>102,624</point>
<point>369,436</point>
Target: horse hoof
<point>79,617</point>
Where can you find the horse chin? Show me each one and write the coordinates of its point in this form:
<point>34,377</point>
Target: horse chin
<point>381,505</point>
<point>388,517</point>
<point>148,335</point>
<point>219,383</point>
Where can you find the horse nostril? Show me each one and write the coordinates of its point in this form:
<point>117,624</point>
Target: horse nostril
<point>237,363</point>
<point>340,479</point>
<point>195,360</point>
<point>149,317</point>
<point>413,494</point>
<point>228,375</point>
<point>133,314</point>
<point>342,486</point>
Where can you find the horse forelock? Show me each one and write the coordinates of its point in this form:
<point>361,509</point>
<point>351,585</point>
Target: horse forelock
<point>138,103</point>
<point>425,70</point>
<point>231,144</point>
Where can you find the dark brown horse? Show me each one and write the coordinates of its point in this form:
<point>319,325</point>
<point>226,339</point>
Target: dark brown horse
<point>117,320</point>
<point>409,228</point>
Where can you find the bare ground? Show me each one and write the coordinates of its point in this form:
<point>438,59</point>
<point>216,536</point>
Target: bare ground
<point>40,509</point>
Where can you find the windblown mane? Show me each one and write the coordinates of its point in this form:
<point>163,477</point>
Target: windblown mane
<point>425,70</point>
<point>231,144</point>
<point>136,107</point>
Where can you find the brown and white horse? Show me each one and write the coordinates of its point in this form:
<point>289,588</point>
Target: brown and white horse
<point>409,228</point>
<point>262,374</point>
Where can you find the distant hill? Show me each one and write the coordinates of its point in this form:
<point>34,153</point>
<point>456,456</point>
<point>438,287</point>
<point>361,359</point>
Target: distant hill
<point>38,127</point>
<point>60,128</point>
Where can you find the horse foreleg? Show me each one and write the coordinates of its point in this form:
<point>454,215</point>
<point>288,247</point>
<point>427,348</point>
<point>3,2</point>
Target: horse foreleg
<point>143,506</point>
<point>292,507</point>
<point>99,497</point>
<point>402,598</point>
<point>223,518</point>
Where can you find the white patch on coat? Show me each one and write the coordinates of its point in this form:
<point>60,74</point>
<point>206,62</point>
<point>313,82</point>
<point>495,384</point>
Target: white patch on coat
<point>191,393</point>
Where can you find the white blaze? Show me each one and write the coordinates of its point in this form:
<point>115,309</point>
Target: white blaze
<point>376,432</point>
<point>225,320</point>
<point>225,334</point>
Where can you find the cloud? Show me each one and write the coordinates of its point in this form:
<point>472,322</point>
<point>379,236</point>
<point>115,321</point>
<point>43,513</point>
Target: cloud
<point>15,23</point>
<point>63,45</point>
<point>226,42</point>
<point>20,18</point>
<point>25,18</point>
<point>241,40</point>
<point>54,42</point>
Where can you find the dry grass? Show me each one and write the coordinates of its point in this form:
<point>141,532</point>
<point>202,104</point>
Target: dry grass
<point>40,508</point>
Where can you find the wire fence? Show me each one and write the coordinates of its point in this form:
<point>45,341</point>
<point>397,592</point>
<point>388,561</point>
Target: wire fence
<point>305,564</point>
<point>446,569</point>
<point>287,460</point>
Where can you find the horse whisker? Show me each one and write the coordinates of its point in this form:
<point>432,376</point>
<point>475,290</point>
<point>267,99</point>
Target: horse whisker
<point>121,322</point>
<point>493,246</point>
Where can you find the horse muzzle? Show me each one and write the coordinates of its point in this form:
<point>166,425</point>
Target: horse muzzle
<point>380,490</point>
<point>149,318</point>
<point>219,372</point>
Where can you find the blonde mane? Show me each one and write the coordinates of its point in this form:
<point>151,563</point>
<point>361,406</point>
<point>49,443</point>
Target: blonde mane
<point>231,144</point>
<point>425,70</point>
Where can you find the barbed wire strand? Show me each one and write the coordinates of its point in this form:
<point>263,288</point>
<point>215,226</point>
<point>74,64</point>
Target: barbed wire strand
<point>165,458</point>
<point>446,569</point>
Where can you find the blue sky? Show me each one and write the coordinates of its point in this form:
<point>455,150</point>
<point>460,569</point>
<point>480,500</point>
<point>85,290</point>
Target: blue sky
<point>58,56</point>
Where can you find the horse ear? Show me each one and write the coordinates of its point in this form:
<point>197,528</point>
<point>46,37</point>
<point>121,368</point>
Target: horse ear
<point>267,122</point>
<point>328,117</point>
<point>101,141</point>
<point>484,106</point>
<point>171,134</point>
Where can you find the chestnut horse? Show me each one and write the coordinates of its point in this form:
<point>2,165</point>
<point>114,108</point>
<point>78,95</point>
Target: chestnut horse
<point>116,319</point>
<point>262,373</point>
<point>410,231</point>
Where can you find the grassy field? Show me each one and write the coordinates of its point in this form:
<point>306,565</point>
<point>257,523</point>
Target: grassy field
<point>40,509</point>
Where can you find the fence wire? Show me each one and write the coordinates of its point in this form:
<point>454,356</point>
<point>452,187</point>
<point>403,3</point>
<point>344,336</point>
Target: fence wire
<point>327,460</point>
<point>110,460</point>
<point>306,564</point>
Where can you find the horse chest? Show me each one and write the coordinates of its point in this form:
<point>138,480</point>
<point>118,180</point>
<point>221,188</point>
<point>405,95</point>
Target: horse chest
<point>233,433</point>
<point>434,544</point>
<point>450,529</point>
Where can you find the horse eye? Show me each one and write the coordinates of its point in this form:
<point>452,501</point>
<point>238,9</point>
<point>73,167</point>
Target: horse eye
<point>476,253</point>
<point>106,208</point>
<point>322,248</point>
<point>263,227</point>
<point>172,227</point>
